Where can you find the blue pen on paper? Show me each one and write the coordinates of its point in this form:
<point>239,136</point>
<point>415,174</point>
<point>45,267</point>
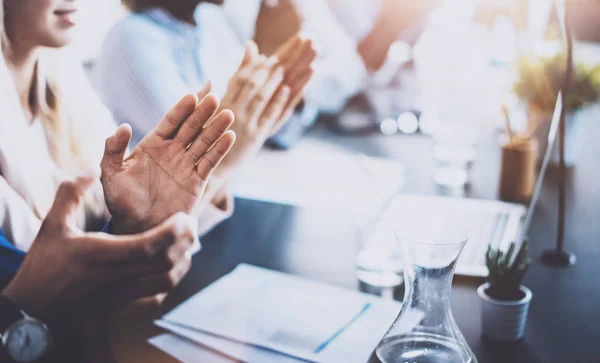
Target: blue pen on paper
<point>342,329</point>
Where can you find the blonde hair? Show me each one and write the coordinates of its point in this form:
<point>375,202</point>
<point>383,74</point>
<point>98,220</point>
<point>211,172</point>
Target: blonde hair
<point>74,121</point>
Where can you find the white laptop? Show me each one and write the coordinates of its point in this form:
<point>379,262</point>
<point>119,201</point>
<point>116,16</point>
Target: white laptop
<point>490,222</point>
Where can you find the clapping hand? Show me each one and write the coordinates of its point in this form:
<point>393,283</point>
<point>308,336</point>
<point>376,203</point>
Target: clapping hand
<point>68,271</point>
<point>168,171</point>
<point>263,93</point>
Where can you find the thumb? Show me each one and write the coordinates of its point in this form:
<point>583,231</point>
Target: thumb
<point>69,196</point>
<point>251,53</point>
<point>116,146</point>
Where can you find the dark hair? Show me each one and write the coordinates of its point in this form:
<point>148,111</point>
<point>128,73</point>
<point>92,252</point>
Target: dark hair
<point>140,5</point>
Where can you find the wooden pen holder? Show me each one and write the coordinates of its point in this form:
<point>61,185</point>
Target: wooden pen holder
<point>518,171</point>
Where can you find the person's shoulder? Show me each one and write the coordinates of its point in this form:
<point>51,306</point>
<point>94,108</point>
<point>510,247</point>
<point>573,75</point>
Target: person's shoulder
<point>134,28</point>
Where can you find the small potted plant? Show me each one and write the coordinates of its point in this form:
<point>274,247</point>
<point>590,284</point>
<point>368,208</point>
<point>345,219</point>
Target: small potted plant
<point>505,301</point>
<point>539,81</point>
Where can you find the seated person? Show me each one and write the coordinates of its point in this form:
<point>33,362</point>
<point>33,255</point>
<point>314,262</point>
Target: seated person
<point>54,126</point>
<point>339,71</point>
<point>377,24</point>
<point>352,39</point>
<point>76,281</point>
<point>163,48</point>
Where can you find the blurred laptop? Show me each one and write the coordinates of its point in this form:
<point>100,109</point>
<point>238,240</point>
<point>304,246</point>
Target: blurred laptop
<point>491,223</point>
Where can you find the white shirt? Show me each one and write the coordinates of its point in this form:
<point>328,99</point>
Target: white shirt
<point>150,60</point>
<point>356,16</point>
<point>339,70</point>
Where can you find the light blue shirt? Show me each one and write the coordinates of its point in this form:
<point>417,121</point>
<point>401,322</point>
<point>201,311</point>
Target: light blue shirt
<point>150,60</point>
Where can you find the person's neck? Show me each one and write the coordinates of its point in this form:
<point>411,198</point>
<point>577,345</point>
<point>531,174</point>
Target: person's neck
<point>21,63</point>
<point>182,10</point>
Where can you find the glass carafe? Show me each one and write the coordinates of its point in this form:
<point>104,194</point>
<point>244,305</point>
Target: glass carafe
<point>425,330</point>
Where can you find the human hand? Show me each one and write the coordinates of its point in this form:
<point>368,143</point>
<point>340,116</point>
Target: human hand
<point>168,171</point>
<point>296,56</point>
<point>263,93</point>
<point>395,17</point>
<point>67,270</point>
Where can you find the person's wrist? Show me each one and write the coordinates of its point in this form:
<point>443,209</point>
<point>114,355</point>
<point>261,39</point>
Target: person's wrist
<point>21,298</point>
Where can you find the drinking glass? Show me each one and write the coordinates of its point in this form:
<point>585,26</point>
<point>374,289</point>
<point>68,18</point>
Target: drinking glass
<point>378,260</point>
<point>455,150</point>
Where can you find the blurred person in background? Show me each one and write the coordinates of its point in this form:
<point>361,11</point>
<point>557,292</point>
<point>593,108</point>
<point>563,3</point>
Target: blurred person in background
<point>377,24</point>
<point>339,71</point>
<point>164,47</point>
<point>54,126</point>
<point>352,39</point>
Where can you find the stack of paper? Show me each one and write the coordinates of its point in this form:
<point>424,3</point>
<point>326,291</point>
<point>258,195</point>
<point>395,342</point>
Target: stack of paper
<point>259,316</point>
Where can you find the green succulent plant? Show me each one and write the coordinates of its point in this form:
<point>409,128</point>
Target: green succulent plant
<point>505,272</point>
<point>540,79</point>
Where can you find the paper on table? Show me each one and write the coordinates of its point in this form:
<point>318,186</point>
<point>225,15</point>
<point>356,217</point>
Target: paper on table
<point>193,346</point>
<point>316,173</point>
<point>289,315</point>
<point>186,350</point>
<point>240,352</point>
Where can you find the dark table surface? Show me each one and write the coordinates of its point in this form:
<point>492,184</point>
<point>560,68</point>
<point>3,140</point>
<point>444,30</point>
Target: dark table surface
<point>564,318</point>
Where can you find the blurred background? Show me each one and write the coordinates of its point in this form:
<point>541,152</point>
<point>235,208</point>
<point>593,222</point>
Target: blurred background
<point>436,70</point>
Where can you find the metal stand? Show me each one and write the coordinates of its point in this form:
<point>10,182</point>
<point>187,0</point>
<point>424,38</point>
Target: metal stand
<point>559,257</point>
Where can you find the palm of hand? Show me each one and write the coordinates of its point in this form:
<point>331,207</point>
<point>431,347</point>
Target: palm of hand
<point>169,169</point>
<point>157,173</point>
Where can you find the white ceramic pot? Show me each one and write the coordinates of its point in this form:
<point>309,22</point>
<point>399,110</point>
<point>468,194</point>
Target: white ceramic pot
<point>504,320</point>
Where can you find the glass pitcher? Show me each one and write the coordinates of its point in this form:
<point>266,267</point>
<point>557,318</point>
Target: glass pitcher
<point>425,330</point>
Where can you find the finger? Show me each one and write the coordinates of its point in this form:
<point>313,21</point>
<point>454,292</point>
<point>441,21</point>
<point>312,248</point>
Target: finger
<point>142,249</point>
<point>156,285</point>
<point>69,196</point>
<point>297,88</point>
<point>176,116</point>
<point>209,136</point>
<point>276,108</point>
<point>287,113</point>
<point>145,306</point>
<point>211,160</point>
<point>263,98</point>
<point>257,79</point>
<point>196,121</point>
<point>115,146</point>
<point>243,78</point>
<point>296,95</point>
<point>303,63</point>
<point>204,91</point>
<point>285,50</point>
<point>236,82</point>
<point>251,51</point>
<point>294,54</point>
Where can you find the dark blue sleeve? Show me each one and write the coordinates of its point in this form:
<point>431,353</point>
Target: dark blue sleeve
<point>10,260</point>
<point>106,228</point>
